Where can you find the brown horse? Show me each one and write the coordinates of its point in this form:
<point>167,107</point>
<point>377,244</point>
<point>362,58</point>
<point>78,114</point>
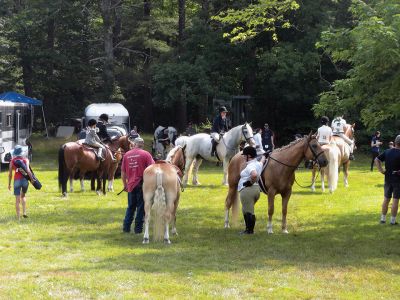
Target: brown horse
<point>161,191</point>
<point>73,157</point>
<point>277,176</point>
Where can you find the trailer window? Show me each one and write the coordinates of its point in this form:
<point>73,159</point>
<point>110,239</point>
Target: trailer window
<point>8,120</point>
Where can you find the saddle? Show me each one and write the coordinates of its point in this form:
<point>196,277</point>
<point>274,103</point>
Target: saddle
<point>261,183</point>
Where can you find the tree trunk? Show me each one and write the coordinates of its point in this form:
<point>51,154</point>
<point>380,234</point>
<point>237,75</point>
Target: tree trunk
<point>181,104</point>
<point>108,72</point>
<point>148,102</point>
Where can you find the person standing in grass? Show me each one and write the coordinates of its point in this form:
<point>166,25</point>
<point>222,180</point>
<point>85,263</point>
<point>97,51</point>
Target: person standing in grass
<point>21,184</point>
<point>248,187</point>
<point>375,144</point>
<point>134,163</point>
<point>391,157</point>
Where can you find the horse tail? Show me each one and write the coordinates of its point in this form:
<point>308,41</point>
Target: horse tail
<point>159,207</point>
<point>333,167</point>
<point>61,168</point>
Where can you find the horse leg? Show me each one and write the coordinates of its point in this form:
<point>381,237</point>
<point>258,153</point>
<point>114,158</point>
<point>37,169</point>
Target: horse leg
<point>346,173</point>
<point>82,181</point>
<point>92,182</point>
<point>71,183</point>
<point>322,172</point>
<point>285,201</point>
<point>110,184</point>
<point>271,197</point>
<point>196,166</point>
<point>229,202</point>
<point>313,172</point>
<point>187,168</point>
<point>98,189</point>
<point>166,234</point>
<point>173,221</point>
<point>148,196</point>
<point>225,167</point>
<point>104,181</point>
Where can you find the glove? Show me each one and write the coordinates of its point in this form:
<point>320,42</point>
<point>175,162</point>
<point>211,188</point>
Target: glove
<point>247,183</point>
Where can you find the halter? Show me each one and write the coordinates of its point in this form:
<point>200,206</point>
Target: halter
<point>247,139</point>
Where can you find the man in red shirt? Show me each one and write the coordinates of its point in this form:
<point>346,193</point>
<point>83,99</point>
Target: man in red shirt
<point>134,163</point>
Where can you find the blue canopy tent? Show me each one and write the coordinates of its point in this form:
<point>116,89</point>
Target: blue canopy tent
<point>15,97</point>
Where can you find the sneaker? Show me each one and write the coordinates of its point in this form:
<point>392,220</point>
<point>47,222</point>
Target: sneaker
<point>382,221</point>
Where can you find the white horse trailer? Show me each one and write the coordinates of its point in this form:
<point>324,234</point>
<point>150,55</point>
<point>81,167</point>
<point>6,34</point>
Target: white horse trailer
<point>16,122</point>
<point>118,115</point>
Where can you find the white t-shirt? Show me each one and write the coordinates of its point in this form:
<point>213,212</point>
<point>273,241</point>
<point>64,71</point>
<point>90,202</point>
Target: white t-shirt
<point>245,175</point>
<point>259,147</point>
<point>338,124</point>
<point>324,134</point>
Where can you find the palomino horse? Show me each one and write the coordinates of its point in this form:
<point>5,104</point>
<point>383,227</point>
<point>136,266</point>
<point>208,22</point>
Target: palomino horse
<point>338,155</point>
<point>277,176</point>
<point>198,147</point>
<point>74,157</point>
<point>161,191</point>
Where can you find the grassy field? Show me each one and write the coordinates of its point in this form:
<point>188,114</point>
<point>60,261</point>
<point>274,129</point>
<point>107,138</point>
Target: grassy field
<point>73,248</point>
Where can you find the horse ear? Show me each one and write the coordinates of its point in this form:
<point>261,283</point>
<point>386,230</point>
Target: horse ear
<point>354,125</point>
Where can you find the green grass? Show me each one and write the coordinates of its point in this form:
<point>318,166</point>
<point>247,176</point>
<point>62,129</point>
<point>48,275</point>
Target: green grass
<point>73,248</point>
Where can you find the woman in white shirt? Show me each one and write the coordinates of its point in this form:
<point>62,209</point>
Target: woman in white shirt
<point>324,135</point>
<point>258,141</point>
<point>248,188</point>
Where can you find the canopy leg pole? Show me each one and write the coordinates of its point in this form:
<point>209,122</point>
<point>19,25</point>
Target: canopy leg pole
<point>44,121</point>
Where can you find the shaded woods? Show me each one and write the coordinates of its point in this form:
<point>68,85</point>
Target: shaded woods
<point>167,60</point>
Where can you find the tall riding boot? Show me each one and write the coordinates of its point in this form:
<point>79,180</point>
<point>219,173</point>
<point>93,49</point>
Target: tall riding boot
<point>252,224</point>
<point>214,147</point>
<point>247,221</point>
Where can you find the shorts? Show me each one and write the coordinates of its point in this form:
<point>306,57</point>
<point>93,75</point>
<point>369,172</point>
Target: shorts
<point>20,184</point>
<point>392,189</point>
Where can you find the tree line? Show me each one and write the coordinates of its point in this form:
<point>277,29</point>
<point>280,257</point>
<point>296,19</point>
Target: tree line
<point>167,60</point>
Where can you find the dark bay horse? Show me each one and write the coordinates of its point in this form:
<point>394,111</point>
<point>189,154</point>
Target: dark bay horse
<point>161,191</point>
<point>74,157</point>
<point>277,176</point>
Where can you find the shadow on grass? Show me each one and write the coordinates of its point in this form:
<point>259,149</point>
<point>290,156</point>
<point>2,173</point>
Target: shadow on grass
<point>345,241</point>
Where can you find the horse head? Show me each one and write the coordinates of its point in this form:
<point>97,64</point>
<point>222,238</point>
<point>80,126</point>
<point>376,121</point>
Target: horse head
<point>177,157</point>
<point>247,133</point>
<point>314,151</point>
<point>349,130</point>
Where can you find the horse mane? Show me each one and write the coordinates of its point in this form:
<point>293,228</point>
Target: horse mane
<point>295,142</point>
<point>172,153</point>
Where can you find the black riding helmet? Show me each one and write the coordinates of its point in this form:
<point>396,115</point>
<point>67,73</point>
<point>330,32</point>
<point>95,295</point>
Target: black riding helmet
<point>92,122</point>
<point>324,120</point>
<point>103,117</point>
<point>223,109</point>
<point>250,151</point>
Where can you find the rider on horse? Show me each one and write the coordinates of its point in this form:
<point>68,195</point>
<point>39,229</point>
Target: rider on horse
<point>220,126</point>
<point>101,124</point>
<point>338,129</point>
<point>93,140</point>
<point>324,134</point>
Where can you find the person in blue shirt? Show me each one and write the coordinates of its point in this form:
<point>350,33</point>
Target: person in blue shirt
<point>375,144</point>
<point>391,157</point>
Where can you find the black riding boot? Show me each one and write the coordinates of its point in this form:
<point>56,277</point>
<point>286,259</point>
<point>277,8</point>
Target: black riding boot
<point>247,220</point>
<point>213,147</point>
<point>252,224</point>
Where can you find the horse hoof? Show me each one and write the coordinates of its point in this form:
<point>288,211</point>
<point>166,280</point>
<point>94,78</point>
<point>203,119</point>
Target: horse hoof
<point>98,193</point>
<point>226,225</point>
<point>174,232</point>
<point>145,241</point>
<point>285,231</point>
<point>64,195</point>
<point>270,231</point>
<point>313,189</point>
<point>167,241</point>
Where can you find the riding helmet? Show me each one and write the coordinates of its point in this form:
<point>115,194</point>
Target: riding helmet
<point>250,151</point>
<point>223,109</point>
<point>104,117</point>
<point>92,122</point>
<point>324,120</point>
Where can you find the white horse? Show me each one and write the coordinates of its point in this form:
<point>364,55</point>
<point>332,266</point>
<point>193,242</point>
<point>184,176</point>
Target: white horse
<point>332,154</point>
<point>158,148</point>
<point>199,146</point>
<point>161,190</point>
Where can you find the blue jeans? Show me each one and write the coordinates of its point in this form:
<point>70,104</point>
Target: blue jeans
<point>135,202</point>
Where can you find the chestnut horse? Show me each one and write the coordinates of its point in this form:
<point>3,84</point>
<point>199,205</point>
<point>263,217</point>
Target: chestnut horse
<point>277,176</point>
<point>73,157</point>
<point>161,191</point>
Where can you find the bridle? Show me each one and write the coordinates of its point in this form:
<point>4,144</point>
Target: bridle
<point>315,155</point>
<point>244,134</point>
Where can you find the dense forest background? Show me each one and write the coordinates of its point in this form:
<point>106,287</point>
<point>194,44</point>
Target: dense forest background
<point>167,60</point>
